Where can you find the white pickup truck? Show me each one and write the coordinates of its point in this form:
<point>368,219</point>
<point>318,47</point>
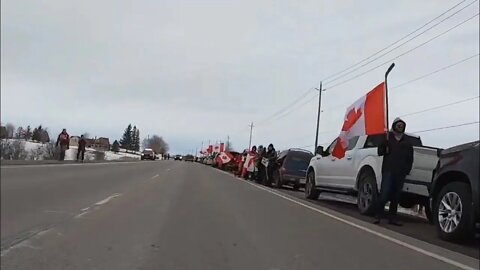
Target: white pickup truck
<point>360,172</point>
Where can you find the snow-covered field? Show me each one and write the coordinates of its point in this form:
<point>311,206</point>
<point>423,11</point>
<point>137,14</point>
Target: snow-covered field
<point>35,149</point>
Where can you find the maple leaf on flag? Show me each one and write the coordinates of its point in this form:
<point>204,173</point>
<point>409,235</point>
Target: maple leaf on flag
<point>352,118</point>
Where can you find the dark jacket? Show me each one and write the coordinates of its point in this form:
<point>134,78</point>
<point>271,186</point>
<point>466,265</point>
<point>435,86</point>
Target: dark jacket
<point>397,155</point>
<point>272,157</point>
<point>81,144</point>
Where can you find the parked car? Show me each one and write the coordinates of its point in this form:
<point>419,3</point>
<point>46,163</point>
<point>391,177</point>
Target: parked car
<point>360,173</point>
<point>148,154</point>
<point>291,168</point>
<point>190,158</point>
<point>178,157</point>
<point>455,192</point>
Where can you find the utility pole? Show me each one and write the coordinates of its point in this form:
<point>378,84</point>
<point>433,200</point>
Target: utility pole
<point>251,130</point>
<point>320,90</point>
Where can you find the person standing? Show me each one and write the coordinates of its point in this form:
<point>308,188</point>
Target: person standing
<point>271,155</point>
<point>63,141</point>
<point>397,154</point>
<point>81,148</point>
<point>261,171</point>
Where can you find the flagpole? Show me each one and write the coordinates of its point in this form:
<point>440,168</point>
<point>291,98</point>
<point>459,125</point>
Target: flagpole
<point>318,115</point>
<point>386,96</point>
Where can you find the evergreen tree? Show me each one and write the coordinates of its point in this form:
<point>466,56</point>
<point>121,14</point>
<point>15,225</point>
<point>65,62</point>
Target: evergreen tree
<point>137,140</point>
<point>126,140</point>
<point>115,146</point>
<point>134,139</point>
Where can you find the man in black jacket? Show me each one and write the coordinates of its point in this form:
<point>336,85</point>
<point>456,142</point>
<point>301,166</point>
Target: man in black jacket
<point>81,148</point>
<point>271,155</point>
<point>397,154</point>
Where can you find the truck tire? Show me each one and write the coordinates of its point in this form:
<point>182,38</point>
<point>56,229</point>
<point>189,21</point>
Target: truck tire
<point>367,194</point>
<point>311,192</point>
<point>453,212</point>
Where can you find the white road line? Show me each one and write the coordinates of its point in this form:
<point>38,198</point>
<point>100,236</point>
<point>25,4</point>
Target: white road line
<point>26,242</point>
<point>155,176</point>
<point>106,200</point>
<point>81,214</point>
<point>381,235</point>
<point>85,209</point>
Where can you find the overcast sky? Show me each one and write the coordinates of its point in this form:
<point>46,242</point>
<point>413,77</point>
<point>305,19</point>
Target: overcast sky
<point>194,71</point>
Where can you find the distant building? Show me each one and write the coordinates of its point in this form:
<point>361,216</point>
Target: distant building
<point>101,143</point>
<point>74,140</point>
<point>97,144</point>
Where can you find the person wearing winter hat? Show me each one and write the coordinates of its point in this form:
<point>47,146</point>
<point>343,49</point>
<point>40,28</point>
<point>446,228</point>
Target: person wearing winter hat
<point>397,154</point>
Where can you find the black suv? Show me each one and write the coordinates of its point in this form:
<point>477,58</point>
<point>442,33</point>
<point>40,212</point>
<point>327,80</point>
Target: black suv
<point>291,168</point>
<point>454,192</point>
<point>148,154</point>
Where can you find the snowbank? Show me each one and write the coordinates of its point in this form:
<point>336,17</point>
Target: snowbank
<point>35,151</point>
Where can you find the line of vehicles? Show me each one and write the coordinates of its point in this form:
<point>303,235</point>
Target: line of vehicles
<point>444,181</point>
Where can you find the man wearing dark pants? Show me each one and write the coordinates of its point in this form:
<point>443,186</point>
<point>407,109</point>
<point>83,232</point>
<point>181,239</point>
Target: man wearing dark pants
<point>81,148</point>
<point>397,154</point>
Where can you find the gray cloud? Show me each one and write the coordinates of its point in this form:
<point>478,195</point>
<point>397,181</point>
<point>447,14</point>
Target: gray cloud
<point>193,71</point>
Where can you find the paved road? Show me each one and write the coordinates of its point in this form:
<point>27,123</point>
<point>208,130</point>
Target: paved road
<point>178,215</point>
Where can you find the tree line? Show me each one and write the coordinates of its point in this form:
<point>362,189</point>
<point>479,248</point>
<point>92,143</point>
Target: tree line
<point>131,141</point>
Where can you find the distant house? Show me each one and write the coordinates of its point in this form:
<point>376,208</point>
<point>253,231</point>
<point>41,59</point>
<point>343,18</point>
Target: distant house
<point>101,144</point>
<point>3,132</point>
<point>74,140</point>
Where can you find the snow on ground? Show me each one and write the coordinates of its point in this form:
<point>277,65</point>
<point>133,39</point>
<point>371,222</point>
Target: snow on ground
<point>71,154</point>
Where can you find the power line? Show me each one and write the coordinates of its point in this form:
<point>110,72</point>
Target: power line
<point>418,78</point>
<point>447,127</point>
<point>305,94</point>
<point>436,71</point>
<point>409,34</point>
<point>409,51</point>
<point>279,112</point>
<point>441,106</point>
<point>400,45</point>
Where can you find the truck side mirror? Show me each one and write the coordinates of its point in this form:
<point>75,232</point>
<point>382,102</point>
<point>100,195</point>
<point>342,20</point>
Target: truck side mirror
<point>319,150</point>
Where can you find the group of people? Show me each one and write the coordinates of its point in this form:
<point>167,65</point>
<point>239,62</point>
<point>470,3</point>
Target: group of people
<point>258,164</point>
<point>63,143</point>
<point>397,151</point>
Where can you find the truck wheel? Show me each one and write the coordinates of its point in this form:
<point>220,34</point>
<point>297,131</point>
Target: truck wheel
<point>453,212</point>
<point>367,194</point>
<point>311,192</point>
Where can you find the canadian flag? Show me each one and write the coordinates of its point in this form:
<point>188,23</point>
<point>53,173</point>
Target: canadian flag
<point>224,157</point>
<point>216,148</point>
<point>210,149</point>
<point>364,117</point>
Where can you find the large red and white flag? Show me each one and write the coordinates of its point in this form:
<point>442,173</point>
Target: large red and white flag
<point>210,149</point>
<point>367,116</point>
<point>224,157</point>
<point>216,148</point>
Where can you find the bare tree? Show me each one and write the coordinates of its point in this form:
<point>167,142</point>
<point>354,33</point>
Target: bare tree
<point>10,130</point>
<point>157,144</point>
